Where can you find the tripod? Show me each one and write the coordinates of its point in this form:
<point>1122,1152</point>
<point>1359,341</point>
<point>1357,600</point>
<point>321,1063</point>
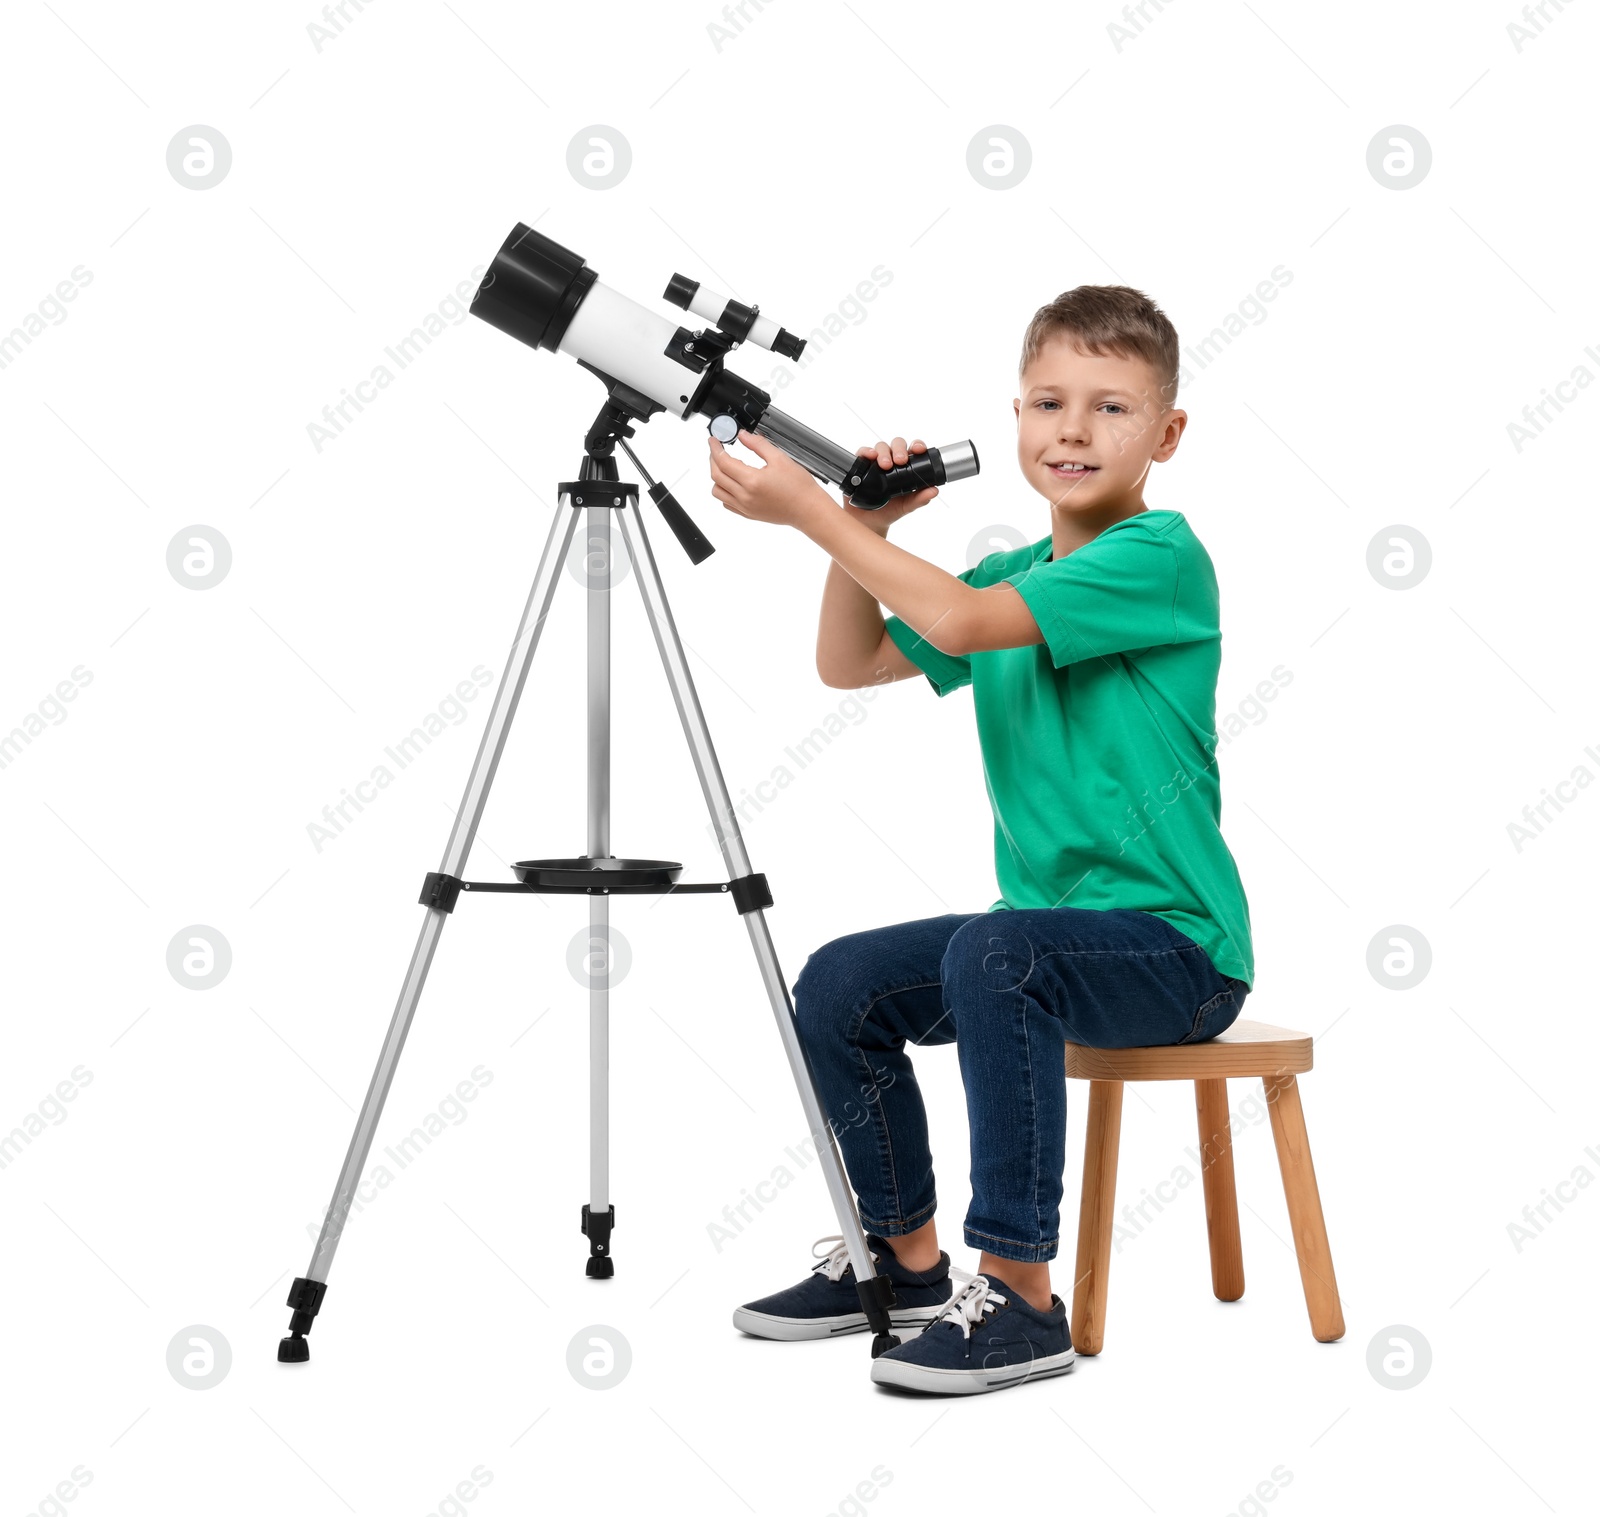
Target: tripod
<point>597,493</point>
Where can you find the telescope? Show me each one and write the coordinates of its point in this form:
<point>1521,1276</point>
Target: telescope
<point>547,297</point>
<point>544,296</point>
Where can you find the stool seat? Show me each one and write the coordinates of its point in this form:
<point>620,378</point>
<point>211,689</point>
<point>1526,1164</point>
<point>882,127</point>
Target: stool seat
<point>1275,1055</point>
<point>1246,1048</point>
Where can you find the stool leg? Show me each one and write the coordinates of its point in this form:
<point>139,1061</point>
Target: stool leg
<point>1095,1215</point>
<point>1305,1207</point>
<point>1222,1199</point>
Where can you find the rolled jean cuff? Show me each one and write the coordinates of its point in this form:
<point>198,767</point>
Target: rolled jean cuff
<point>1009,1248</point>
<point>898,1229</point>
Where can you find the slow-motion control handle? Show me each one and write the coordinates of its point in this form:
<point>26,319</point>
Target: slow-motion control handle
<point>691,539</point>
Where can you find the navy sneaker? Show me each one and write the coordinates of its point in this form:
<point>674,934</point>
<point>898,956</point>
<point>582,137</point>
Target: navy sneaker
<point>825,1304</point>
<point>988,1337</point>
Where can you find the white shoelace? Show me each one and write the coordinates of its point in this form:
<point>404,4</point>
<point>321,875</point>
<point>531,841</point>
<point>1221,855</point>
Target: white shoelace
<point>968,1307</point>
<point>837,1260</point>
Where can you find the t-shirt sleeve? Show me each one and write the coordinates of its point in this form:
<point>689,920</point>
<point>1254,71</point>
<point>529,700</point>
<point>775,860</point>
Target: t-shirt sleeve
<point>945,671</point>
<point>1112,595</point>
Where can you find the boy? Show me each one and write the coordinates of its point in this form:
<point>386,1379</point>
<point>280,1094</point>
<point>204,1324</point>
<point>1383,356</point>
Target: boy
<point>1093,657</point>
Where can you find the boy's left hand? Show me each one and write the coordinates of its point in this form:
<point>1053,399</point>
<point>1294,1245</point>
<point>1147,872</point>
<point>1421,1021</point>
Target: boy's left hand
<point>782,492</point>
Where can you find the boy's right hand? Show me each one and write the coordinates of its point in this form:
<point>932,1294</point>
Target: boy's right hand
<point>888,455</point>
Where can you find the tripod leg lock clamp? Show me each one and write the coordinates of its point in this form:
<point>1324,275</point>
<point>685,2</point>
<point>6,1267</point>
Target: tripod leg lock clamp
<point>750,892</point>
<point>305,1299</point>
<point>440,891</point>
<point>596,1227</point>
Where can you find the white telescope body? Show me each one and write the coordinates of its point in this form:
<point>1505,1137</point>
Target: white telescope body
<point>629,341</point>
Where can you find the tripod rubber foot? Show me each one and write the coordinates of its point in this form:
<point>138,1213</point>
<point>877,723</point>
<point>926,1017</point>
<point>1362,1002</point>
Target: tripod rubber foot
<point>883,1342</point>
<point>599,1267</point>
<point>293,1350</point>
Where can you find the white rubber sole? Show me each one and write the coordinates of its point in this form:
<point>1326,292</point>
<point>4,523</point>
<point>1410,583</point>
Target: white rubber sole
<point>944,1382</point>
<point>798,1329</point>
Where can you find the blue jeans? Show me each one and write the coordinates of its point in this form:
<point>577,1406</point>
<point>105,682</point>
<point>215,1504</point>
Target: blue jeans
<point>1010,989</point>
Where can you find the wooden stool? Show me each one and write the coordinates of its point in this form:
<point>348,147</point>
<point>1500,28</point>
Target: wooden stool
<point>1245,1049</point>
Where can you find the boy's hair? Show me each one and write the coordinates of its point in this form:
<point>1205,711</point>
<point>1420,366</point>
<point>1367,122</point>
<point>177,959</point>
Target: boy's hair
<point>1109,318</point>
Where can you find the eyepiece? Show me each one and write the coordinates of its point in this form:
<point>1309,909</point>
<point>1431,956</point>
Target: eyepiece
<point>960,460</point>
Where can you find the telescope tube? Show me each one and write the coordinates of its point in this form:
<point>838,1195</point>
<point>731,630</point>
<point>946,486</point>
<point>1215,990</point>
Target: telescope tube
<point>546,296</point>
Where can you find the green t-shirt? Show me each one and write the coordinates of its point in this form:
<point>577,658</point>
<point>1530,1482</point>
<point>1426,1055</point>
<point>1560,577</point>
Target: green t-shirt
<point>1098,744</point>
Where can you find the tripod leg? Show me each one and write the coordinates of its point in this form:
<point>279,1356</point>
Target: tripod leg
<point>876,1292</point>
<point>598,1215</point>
<point>305,1295</point>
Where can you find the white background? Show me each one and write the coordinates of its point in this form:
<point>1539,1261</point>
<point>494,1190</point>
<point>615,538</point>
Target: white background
<point>783,163</point>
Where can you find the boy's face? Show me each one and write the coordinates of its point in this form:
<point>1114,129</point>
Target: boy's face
<point>1090,425</point>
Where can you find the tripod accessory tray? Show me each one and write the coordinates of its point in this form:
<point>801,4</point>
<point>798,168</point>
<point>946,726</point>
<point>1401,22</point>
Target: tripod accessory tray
<point>604,875</point>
